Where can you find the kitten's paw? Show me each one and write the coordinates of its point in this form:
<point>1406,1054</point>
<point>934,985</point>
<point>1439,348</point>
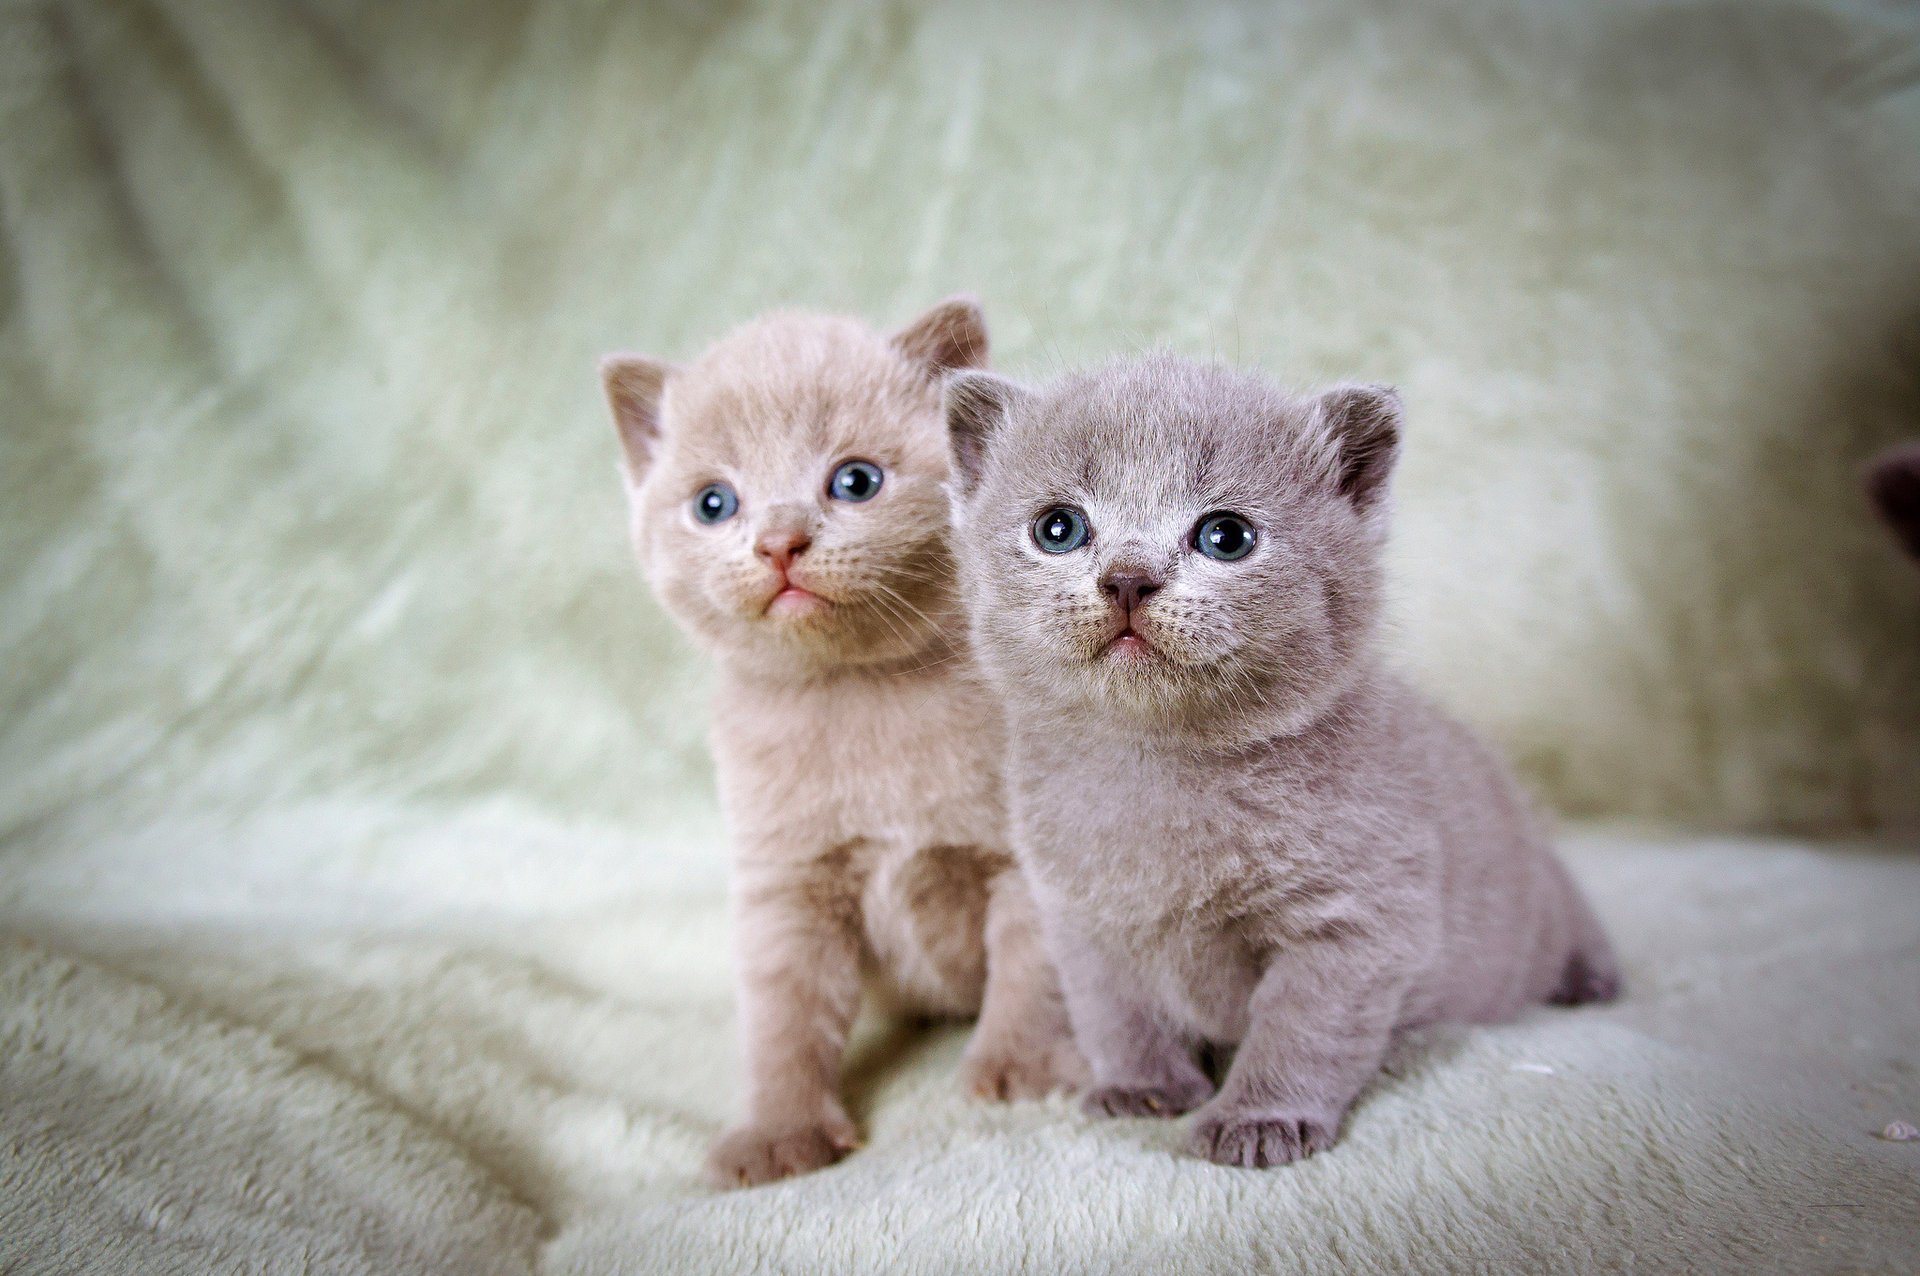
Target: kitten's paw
<point>1030,1070</point>
<point>1145,1101</point>
<point>749,1155</point>
<point>1258,1140</point>
<point>1007,1076</point>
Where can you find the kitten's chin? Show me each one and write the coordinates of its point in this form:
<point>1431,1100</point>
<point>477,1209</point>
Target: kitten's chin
<point>1137,684</point>
<point>1136,658</point>
<point>804,634</point>
<point>1128,673</point>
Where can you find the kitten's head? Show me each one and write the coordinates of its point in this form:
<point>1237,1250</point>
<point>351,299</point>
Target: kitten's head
<point>1180,544</point>
<point>786,487</point>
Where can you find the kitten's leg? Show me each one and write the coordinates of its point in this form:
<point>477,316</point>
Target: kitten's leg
<point>1022,1047</point>
<point>798,947</point>
<point>1319,1023</point>
<point>1140,1065</point>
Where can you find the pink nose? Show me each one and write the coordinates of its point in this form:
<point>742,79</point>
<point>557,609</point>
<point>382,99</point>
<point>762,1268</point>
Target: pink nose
<point>782,547</point>
<point>1128,589</point>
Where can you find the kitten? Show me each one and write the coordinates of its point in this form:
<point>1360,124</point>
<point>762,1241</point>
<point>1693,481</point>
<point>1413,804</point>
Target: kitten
<point>787,502</point>
<point>1237,826</point>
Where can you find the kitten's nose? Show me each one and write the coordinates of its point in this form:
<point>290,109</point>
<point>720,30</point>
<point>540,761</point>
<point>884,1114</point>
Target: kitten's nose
<point>780,546</point>
<point>1128,588</point>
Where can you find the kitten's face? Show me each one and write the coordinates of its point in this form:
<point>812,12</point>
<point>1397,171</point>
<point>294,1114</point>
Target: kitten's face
<point>788,503</point>
<point>1174,542</point>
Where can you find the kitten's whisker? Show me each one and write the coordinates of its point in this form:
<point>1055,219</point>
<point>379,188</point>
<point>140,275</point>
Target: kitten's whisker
<point>948,656</point>
<point>883,592</point>
<point>888,607</point>
<point>893,624</point>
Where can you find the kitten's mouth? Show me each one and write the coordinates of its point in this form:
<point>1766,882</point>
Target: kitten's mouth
<point>793,601</point>
<point>1129,647</point>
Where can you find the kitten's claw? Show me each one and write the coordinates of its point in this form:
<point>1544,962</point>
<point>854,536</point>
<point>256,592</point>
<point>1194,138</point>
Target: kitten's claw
<point>1023,1072</point>
<point>749,1155</point>
<point>1256,1142</point>
<point>1142,1101</point>
<point>1006,1077</point>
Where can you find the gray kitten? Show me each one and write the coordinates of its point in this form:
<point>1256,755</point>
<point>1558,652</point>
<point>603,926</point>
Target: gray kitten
<point>1239,827</point>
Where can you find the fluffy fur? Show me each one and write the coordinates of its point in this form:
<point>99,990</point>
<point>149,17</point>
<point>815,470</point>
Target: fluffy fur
<point>1240,829</point>
<point>858,753</point>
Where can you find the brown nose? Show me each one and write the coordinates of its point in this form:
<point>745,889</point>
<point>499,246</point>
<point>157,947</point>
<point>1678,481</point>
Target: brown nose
<point>1128,588</point>
<point>782,546</point>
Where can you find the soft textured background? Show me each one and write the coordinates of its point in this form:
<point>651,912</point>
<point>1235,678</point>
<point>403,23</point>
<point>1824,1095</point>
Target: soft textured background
<point>356,833</point>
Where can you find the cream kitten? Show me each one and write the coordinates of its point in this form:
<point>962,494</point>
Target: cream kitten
<point>1238,827</point>
<point>787,503</point>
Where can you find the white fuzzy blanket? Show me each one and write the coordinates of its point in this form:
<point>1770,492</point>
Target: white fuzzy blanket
<point>444,1095</point>
<point>359,878</point>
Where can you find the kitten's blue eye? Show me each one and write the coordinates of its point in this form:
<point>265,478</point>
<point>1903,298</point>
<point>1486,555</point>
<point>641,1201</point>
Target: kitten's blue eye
<point>855,481</point>
<point>1061,529</point>
<point>715,503</point>
<point>1224,536</point>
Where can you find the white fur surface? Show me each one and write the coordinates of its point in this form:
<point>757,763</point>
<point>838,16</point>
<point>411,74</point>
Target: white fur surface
<point>534,1089</point>
<point>357,857</point>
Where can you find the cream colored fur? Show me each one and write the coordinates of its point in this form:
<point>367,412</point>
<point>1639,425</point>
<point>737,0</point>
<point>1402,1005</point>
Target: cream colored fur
<point>858,753</point>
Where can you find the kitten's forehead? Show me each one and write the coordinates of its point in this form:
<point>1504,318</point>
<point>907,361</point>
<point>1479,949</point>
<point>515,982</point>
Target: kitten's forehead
<point>790,388</point>
<point>1162,432</point>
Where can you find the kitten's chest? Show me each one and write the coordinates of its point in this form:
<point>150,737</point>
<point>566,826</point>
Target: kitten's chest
<point>1136,831</point>
<point>1160,865</point>
<point>904,761</point>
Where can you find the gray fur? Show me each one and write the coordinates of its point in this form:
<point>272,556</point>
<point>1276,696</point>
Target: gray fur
<point>1248,833</point>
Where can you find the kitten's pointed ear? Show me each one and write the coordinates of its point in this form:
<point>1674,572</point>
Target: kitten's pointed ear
<point>634,384</point>
<point>1364,423</point>
<point>977,406</point>
<point>950,336</point>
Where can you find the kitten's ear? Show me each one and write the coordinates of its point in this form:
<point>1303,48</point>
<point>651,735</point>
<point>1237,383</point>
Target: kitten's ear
<point>1364,423</point>
<point>1893,481</point>
<point>950,336</point>
<point>634,384</point>
<point>977,405</point>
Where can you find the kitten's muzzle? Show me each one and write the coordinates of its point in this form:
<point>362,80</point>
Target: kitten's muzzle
<point>778,547</point>
<point>784,538</point>
<point>1129,588</point>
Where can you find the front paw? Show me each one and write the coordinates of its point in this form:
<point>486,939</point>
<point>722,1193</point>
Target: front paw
<point>1023,1070</point>
<point>1257,1140</point>
<point>750,1154</point>
<point>1006,1076</point>
<point>1168,1100</point>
